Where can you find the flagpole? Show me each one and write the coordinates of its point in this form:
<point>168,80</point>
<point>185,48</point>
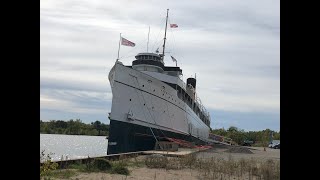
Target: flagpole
<point>148,39</point>
<point>165,34</point>
<point>119,47</point>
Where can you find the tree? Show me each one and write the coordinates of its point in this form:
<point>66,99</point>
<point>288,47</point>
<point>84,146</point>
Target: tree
<point>97,126</point>
<point>233,129</point>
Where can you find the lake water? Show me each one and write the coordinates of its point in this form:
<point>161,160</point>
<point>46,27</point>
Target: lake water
<point>73,146</point>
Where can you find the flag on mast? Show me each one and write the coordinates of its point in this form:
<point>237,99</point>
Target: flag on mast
<point>173,59</point>
<point>126,42</point>
<point>173,25</point>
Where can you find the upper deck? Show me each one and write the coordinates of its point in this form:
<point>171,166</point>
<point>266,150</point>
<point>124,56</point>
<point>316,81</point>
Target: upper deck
<point>153,65</point>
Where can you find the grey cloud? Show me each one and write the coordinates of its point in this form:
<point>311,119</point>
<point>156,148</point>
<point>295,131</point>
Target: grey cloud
<point>60,84</point>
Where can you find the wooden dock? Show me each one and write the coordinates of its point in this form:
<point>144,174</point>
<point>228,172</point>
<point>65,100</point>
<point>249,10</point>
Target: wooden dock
<point>180,153</point>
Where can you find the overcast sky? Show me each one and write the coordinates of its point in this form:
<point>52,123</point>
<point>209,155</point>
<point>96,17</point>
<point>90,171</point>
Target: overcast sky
<point>233,46</point>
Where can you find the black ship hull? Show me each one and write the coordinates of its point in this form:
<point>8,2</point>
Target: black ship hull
<point>127,137</point>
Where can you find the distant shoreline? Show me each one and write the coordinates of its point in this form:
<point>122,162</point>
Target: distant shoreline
<point>74,127</point>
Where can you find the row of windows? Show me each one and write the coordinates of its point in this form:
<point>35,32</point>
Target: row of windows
<point>188,100</point>
<point>147,57</point>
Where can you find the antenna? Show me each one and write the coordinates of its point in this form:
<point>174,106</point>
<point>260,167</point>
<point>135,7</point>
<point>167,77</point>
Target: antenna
<point>148,39</point>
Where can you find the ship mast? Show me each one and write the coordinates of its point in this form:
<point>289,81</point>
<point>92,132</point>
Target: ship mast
<point>165,34</point>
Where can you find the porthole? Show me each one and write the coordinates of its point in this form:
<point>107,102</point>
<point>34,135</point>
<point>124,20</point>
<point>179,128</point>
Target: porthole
<point>142,85</point>
<point>130,99</point>
<point>144,104</point>
<point>154,90</point>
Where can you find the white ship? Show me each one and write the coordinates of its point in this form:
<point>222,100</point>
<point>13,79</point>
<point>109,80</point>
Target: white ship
<point>151,103</point>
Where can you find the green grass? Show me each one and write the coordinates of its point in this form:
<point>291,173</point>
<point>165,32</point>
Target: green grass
<point>95,165</point>
<point>136,164</point>
<point>120,168</point>
<point>61,174</point>
<point>77,166</point>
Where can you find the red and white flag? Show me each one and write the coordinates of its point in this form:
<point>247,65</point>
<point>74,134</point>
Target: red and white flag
<point>126,42</point>
<point>173,25</point>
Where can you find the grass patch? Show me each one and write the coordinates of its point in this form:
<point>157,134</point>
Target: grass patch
<point>101,164</point>
<point>136,164</point>
<point>219,168</point>
<point>94,165</point>
<point>62,173</point>
<point>156,161</point>
<point>120,168</point>
<point>77,166</point>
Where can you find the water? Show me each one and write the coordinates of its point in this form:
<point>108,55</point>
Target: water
<point>73,146</point>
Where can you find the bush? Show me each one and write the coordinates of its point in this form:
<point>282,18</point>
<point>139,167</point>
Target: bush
<point>46,165</point>
<point>89,165</point>
<point>101,164</point>
<point>188,160</point>
<point>156,161</point>
<point>119,168</point>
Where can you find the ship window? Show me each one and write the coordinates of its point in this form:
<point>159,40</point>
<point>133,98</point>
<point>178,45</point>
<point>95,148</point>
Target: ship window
<point>154,90</point>
<point>144,104</point>
<point>130,99</point>
<point>142,85</point>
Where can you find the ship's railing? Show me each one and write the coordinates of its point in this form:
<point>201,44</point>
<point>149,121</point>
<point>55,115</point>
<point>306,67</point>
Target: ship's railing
<point>197,100</point>
<point>202,108</point>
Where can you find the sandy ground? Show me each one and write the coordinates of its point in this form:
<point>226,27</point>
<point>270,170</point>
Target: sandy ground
<point>144,173</point>
<point>258,154</point>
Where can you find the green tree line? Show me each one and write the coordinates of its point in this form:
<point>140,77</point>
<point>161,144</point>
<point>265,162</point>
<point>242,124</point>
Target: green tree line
<point>260,138</point>
<point>74,127</point>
